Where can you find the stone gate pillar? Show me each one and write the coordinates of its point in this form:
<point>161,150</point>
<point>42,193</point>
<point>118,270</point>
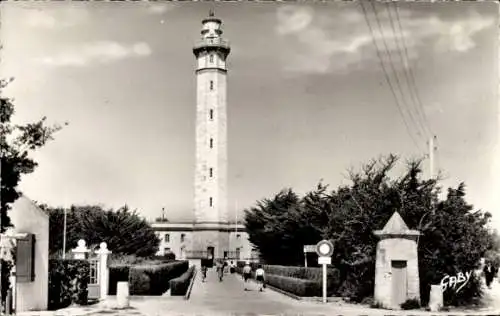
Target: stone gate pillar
<point>396,268</point>
<point>81,251</point>
<point>103,254</point>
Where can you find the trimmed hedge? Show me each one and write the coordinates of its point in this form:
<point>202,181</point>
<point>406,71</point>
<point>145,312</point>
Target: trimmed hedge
<point>154,280</point>
<point>179,286</point>
<point>118,273</point>
<point>301,281</point>
<point>68,283</point>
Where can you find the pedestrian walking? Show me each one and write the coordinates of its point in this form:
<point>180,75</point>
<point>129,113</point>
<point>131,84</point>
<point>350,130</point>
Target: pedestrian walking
<point>260,277</point>
<point>204,269</point>
<point>489,273</point>
<point>220,269</point>
<point>247,274</point>
<point>232,267</point>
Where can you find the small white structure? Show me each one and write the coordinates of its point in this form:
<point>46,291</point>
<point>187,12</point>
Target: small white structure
<point>103,254</point>
<point>122,295</point>
<point>81,251</point>
<point>436,298</point>
<point>396,269</point>
<point>99,270</point>
<point>31,228</point>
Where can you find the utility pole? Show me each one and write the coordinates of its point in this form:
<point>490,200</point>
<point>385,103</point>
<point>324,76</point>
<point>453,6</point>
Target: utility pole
<point>1,228</point>
<point>432,149</point>
<point>64,234</point>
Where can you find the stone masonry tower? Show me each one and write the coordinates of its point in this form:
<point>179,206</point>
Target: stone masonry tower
<point>210,198</point>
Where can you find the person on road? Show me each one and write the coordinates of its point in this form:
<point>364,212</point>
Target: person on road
<point>204,269</point>
<point>232,267</point>
<point>489,273</point>
<point>259,277</point>
<point>220,269</point>
<point>247,273</point>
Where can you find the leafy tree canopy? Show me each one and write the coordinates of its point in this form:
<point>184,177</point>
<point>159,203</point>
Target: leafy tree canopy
<point>16,142</point>
<point>123,230</point>
<point>454,236</point>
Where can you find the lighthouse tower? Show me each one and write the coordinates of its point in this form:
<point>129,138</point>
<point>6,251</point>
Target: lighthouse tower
<point>210,196</point>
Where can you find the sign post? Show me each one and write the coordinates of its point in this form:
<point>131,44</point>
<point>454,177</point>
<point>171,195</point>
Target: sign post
<point>324,249</point>
<point>308,248</point>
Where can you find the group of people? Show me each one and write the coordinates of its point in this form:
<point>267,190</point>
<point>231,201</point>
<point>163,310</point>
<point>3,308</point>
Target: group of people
<point>220,266</point>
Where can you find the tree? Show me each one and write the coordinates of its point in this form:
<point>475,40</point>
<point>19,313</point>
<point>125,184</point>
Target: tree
<point>123,230</point>
<point>454,236</point>
<point>16,142</point>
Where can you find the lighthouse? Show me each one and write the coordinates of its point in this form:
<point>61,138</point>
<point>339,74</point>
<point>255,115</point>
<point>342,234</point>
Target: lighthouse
<point>210,191</point>
<point>212,234</point>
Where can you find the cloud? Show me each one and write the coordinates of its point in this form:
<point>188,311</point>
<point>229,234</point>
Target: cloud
<point>320,43</point>
<point>97,52</point>
<point>159,8</point>
<point>52,18</point>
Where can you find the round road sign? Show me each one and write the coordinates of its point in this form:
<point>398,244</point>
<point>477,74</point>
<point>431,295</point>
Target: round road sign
<point>324,248</point>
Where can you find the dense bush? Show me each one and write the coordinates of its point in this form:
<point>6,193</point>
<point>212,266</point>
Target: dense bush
<point>299,287</point>
<point>154,280</point>
<point>124,230</point>
<point>179,286</point>
<point>117,273</point>
<point>454,234</point>
<point>120,266</point>
<point>294,277</point>
<point>410,304</point>
<point>169,256</point>
<point>122,259</point>
<point>68,281</point>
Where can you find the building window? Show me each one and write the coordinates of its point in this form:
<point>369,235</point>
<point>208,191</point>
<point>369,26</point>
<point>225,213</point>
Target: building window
<point>211,58</point>
<point>238,236</point>
<point>211,143</point>
<point>166,249</point>
<point>211,172</point>
<point>211,84</point>
<point>210,201</point>
<point>166,237</point>
<point>211,114</point>
<point>183,236</point>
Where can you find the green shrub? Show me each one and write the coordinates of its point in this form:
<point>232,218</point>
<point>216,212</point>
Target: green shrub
<point>411,303</point>
<point>169,256</point>
<point>179,286</point>
<point>299,287</point>
<point>154,279</point>
<point>300,273</point>
<point>117,273</point>
<point>68,282</point>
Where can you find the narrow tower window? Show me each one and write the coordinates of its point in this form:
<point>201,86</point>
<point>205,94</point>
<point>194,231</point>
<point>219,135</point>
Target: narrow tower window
<point>210,201</point>
<point>211,84</point>
<point>211,171</point>
<point>211,143</point>
<point>211,58</point>
<point>211,114</point>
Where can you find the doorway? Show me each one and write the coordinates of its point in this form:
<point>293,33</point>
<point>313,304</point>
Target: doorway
<point>399,282</point>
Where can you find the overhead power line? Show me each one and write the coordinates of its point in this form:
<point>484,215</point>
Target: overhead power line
<point>405,65</point>
<point>411,76</point>
<point>387,77</point>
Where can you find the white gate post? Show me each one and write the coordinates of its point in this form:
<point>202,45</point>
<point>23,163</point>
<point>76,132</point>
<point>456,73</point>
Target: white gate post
<point>103,253</point>
<point>80,252</point>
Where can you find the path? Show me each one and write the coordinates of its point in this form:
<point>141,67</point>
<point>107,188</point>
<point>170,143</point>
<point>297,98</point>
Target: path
<point>229,298</point>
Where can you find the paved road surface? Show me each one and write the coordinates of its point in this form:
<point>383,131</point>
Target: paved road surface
<point>230,298</point>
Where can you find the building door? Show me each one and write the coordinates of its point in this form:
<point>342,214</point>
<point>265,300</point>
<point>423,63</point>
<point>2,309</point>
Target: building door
<point>399,282</point>
<point>210,253</point>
